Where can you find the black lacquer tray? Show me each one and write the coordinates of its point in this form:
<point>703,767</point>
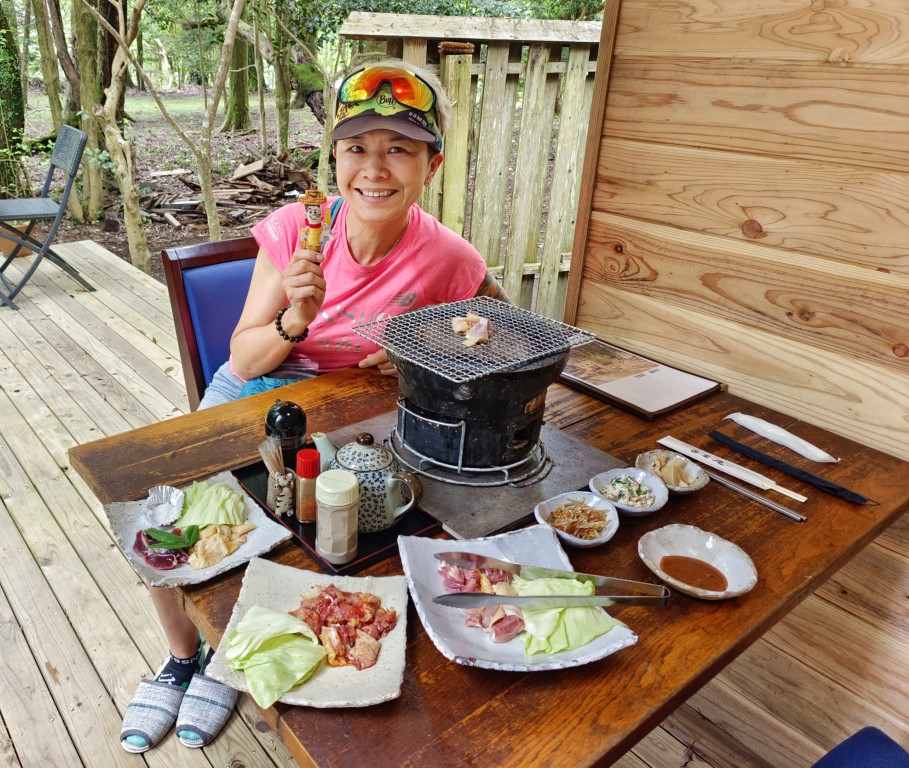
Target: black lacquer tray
<point>371,547</point>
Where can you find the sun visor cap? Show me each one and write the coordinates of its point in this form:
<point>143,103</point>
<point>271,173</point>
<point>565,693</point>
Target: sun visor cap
<point>382,112</point>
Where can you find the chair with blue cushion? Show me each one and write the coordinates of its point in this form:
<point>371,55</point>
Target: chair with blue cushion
<point>208,284</point>
<point>868,748</point>
<point>67,156</point>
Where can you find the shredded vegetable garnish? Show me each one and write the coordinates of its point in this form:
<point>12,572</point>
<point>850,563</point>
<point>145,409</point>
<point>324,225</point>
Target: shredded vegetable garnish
<point>578,519</point>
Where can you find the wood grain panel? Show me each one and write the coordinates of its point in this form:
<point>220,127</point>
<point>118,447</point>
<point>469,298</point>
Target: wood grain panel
<point>852,116</point>
<point>828,637</point>
<point>823,710</point>
<point>836,392</point>
<point>838,308</point>
<point>857,32</point>
<point>854,215</point>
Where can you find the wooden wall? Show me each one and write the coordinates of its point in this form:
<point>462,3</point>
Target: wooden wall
<point>745,206</point>
<point>744,213</point>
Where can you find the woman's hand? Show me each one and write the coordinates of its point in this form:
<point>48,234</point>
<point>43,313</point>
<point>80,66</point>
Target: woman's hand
<point>304,284</point>
<point>379,360</point>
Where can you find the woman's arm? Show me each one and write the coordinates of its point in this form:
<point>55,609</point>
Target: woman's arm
<point>256,347</point>
<point>491,287</point>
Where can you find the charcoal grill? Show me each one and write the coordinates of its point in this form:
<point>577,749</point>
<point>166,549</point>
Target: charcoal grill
<point>476,412</point>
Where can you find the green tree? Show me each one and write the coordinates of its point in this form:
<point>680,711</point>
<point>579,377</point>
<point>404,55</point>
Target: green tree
<point>12,111</point>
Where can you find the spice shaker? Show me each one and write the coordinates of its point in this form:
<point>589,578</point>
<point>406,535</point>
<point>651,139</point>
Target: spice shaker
<point>286,423</point>
<point>337,502</point>
<point>308,461</point>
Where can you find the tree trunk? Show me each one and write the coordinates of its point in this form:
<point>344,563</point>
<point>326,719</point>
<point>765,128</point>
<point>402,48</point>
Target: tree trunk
<point>48,62</point>
<point>66,61</point>
<point>86,34</point>
<point>236,116</point>
<point>140,57</point>
<point>12,110</point>
<point>24,50</point>
<point>260,88</point>
<point>119,147</point>
<point>281,64</point>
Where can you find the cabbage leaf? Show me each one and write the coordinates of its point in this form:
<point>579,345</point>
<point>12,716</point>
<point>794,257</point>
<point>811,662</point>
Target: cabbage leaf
<point>212,504</point>
<point>554,630</point>
<point>276,651</point>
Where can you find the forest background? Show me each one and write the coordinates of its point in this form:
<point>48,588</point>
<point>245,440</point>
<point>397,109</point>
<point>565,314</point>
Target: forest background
<point>199,85</point>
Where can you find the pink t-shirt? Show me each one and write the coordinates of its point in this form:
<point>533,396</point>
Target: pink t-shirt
<point>429,265</point>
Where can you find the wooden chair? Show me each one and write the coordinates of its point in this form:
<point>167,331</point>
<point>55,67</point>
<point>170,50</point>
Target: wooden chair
<point>207,284</point>
<point>67,156</point>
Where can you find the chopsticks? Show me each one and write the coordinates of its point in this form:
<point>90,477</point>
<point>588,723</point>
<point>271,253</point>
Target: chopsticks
<point>729,467</point>
<point>791,514</point>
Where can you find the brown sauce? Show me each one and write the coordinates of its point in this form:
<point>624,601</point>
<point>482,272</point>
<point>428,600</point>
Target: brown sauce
<point>695,573</point>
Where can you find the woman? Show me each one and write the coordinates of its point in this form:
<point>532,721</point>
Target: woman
<point>386,257</point>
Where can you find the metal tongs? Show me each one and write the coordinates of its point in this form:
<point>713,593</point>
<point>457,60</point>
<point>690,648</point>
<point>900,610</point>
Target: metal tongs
<point>642,593</point>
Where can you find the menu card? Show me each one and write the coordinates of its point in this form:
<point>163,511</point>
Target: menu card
<point>644,387</point>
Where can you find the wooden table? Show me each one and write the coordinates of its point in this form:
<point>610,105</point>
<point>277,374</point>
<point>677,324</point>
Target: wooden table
<point>453,715</point>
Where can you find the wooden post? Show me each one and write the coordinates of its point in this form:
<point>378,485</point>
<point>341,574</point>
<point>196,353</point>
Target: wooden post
<point>455,59</point>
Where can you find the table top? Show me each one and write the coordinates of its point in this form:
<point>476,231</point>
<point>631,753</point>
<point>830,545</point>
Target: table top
<point>450,714</point>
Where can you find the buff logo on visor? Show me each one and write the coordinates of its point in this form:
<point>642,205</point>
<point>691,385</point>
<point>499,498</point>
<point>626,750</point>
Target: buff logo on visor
<point>383,110</point>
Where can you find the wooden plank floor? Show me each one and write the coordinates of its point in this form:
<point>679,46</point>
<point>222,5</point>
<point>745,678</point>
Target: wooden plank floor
<point>77,630</point>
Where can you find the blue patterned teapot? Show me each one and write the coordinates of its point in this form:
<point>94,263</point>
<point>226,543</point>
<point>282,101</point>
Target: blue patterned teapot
<point>382,482</point>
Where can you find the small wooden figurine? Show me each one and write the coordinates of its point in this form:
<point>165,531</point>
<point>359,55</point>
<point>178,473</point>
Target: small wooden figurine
<point>311,238</point>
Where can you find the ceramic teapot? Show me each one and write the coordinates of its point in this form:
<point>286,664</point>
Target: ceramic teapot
<point>382,482</point>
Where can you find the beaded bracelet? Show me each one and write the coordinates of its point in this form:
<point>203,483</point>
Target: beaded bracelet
<point>283,334</point>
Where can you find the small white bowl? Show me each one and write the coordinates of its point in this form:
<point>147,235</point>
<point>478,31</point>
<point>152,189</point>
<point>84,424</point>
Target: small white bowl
<point>544,509</point>
<point>690,541</point>
<point>699,477</point>
<point>652,481</point>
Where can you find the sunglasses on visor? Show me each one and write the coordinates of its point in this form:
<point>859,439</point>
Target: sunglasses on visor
<point>408,89</point>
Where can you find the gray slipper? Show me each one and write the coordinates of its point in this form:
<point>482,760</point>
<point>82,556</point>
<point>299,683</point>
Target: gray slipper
<point>150,715</point>
<point>204,711</point>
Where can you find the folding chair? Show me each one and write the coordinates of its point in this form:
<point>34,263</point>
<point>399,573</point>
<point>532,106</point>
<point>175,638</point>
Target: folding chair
<point>66,156</point>
<point>207,284</point>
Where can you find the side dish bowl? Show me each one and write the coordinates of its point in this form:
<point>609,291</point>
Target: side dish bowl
<point>543,511</point>
<point>599,483</point>
<point>689,541</point>
<point>648,462</point>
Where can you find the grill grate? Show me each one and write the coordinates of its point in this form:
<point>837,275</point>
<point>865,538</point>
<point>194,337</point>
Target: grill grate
<point>424,337</point>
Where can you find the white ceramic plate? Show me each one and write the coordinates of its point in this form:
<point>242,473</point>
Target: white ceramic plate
<point>544,509</point>
<point>691,541</point>
<point>127,518</point>
<point>700,477</point>
<point>536,545</point>
<point>656,485</point>
<point>280,588</point>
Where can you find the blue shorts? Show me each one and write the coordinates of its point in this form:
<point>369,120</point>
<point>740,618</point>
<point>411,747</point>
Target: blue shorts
<point>226,385</point>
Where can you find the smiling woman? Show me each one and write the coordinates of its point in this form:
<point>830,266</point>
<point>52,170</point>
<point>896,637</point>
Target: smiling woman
<point>385,257</point>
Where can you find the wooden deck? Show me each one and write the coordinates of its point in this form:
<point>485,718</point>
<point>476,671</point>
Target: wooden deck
<point>77,630</point>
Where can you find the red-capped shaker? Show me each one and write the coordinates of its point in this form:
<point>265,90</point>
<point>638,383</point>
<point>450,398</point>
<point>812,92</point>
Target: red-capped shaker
<point>308,460</point>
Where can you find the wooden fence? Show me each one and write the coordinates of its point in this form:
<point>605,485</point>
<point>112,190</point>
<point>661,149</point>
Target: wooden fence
<point>515,147</point>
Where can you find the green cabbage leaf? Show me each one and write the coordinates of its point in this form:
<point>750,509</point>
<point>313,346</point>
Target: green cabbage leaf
<point>554,630</point>
<point>276,651</point>
<point>212,504</point>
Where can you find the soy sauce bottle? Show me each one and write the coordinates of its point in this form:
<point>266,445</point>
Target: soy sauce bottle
<point>286,422</point>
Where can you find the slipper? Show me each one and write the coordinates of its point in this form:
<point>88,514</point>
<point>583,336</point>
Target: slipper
<point>204,711</point>
<point>150,715</point>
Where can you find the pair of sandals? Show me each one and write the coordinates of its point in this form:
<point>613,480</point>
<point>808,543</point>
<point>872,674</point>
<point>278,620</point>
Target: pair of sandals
<point>199,712</point>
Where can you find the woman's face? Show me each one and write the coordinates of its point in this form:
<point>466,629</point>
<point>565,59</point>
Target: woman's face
<point>381,174</point>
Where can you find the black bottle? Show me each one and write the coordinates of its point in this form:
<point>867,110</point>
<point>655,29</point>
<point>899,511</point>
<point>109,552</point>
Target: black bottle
<point>286,422</point>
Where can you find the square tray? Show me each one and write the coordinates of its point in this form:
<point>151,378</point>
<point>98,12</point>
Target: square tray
<point>372,547</point>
